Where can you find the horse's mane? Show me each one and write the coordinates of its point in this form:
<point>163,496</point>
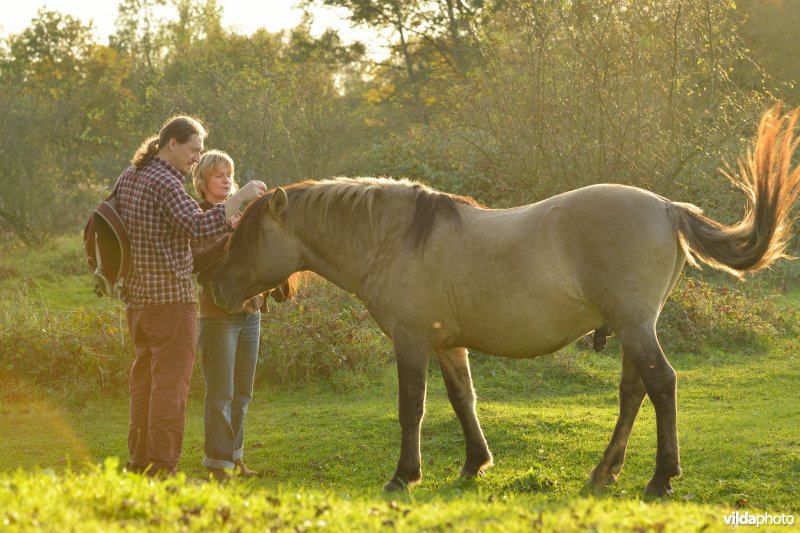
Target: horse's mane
<point>312,200</point>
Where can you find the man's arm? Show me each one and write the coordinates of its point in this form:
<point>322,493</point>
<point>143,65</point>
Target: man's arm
<point>190,220</point>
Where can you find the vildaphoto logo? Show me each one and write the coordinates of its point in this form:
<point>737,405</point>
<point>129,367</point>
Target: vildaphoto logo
<point>750,519</point>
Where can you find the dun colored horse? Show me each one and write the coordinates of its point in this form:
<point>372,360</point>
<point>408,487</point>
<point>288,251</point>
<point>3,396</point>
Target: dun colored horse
<point>440,273</point>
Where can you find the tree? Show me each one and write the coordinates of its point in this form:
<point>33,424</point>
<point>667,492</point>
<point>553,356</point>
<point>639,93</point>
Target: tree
<point>575,92</point>
<point>428,36</point>
<point>55,86</point>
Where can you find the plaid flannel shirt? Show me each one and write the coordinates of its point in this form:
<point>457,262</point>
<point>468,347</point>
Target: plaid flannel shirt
<point>161,219</point>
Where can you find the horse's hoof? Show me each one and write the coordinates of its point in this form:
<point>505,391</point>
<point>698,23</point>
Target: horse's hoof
<point>477,468</point>
<point>395,485</point>
<point>471,472</point>
<point>474,471</point>
<point>602,477</point>
<point>658,487</point>
<point>590,489</point>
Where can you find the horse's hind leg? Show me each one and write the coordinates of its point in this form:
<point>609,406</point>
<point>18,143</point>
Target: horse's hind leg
<point>631,394</point>
<point>641,346</point>
<point>412,370</point>
<point>458,380</point>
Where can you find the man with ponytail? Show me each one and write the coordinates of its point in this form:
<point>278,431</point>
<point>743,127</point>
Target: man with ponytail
<point>161,219</point>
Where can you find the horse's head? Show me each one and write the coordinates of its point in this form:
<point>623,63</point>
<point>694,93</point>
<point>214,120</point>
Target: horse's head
<point>261,254</point>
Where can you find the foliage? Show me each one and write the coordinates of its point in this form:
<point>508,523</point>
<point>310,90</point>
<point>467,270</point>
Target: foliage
<point>274,105</point>
<point>57,96</point>
<point>568,94</point>
<point>765,33</point>
<point>322,335</point>
<point>75,353</point>
<point>699,315</point>
<point>57,336</point>
<point>104,499</point>
<point>508,101</point>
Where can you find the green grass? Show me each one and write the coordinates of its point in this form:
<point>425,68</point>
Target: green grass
<point>547,422</point>
<point>103,500</point>
<point>323,426</point>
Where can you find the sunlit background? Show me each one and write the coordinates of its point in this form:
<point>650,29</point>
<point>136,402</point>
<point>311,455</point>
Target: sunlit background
<point>241,16</point>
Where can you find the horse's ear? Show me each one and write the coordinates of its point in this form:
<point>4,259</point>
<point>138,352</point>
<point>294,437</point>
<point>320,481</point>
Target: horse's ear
<point>278,202</point>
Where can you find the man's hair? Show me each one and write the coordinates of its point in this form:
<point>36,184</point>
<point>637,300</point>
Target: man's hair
<point>211,161</point>
<point>179,127</point>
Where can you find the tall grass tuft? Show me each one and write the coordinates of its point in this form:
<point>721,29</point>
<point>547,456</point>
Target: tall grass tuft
<point>79,352</point>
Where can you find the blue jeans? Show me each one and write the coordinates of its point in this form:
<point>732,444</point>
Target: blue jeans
<point>230,350</point>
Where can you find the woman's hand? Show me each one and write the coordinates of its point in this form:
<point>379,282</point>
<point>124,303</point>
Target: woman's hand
<point>252,190</point>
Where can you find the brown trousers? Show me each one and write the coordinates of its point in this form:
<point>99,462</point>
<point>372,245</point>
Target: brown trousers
<point>165,339</point>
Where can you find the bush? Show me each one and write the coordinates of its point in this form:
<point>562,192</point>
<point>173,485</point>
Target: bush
<point>699,314</point>
<point>78,353</point>
<point>323,334</point>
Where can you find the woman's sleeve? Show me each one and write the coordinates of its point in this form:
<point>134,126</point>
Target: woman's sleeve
<point>207,252</point>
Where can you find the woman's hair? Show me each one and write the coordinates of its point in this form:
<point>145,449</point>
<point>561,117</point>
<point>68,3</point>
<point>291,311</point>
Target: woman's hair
<point>211,161</point>
<point>180,127</point>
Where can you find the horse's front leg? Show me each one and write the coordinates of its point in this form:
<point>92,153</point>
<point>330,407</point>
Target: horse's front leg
<point>412,371</point>
<point>631,394</point>
<point>458,380</point>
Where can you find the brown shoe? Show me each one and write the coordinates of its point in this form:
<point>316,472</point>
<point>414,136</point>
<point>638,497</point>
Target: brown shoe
<point>161,472</point>
<point>243,471</point>
<point>135,468</point>
<point>219,474</point>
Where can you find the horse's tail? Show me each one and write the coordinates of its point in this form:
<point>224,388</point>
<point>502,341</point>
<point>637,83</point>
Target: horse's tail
<point>771,186</point>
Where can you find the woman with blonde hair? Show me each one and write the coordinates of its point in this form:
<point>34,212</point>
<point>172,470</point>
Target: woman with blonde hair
<point>228,341</point>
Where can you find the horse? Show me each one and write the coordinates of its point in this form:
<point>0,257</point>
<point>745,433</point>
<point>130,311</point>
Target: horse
<point>440,273</point>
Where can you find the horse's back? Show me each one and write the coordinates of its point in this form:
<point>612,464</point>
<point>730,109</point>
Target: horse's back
<point>529,280</point>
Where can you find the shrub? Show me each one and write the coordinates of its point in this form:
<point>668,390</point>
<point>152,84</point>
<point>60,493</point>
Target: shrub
<point>56,336</point>
<point>78,353</point>
<point>699,314</point>
<point>323,334</point>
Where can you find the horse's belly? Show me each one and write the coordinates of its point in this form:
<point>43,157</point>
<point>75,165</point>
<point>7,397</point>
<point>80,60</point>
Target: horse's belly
<point>525,348</point>
<point>529,334</point>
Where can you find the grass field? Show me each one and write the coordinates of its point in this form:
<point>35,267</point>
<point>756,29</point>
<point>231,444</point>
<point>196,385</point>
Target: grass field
<point>326,444</point>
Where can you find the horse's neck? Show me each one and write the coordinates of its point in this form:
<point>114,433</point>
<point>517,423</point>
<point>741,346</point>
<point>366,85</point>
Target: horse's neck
<point>341,253</point>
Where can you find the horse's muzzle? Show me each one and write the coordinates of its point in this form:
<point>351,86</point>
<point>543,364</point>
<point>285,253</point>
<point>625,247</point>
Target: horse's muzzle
<point>219,297</point>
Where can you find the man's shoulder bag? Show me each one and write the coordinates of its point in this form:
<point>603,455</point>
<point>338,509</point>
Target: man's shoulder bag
<point>107,247</point>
